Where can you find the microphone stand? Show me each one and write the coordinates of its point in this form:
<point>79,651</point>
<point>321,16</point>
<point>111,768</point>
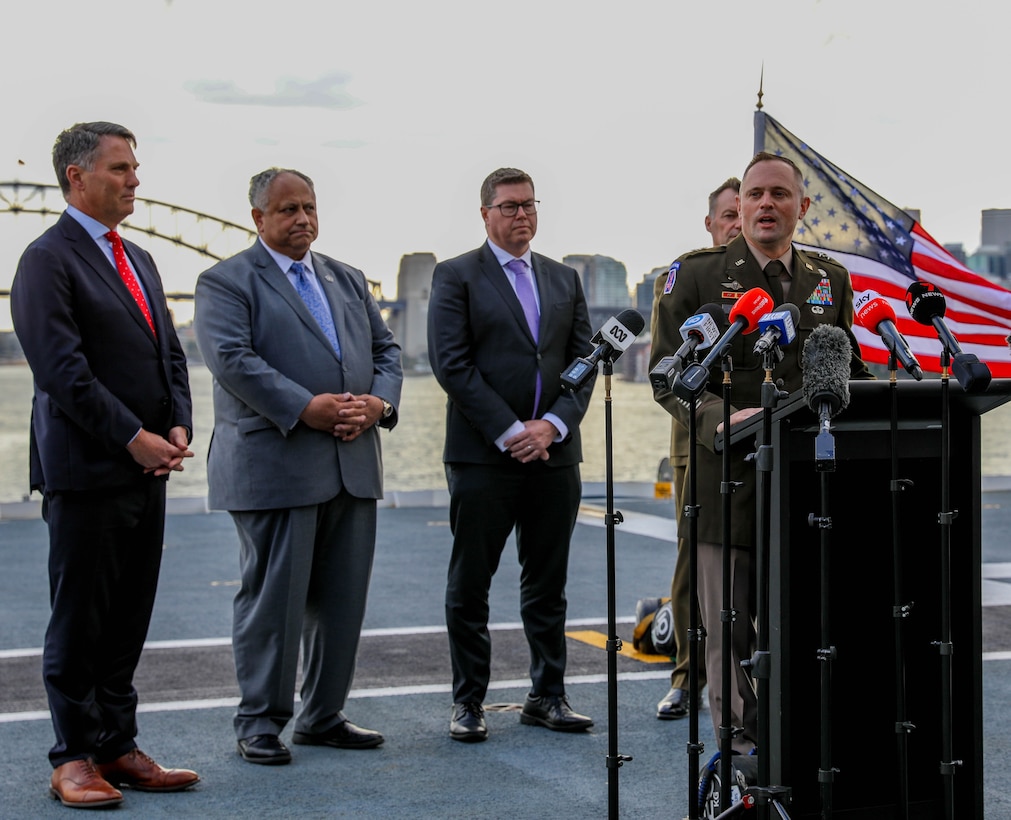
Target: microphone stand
<point>612,519</point>
<point>824,464</point>
<point>760,665</point>
<point>727,614</point>
<point>695,630</point>
<point>946,516</point>
<point>900,610</point>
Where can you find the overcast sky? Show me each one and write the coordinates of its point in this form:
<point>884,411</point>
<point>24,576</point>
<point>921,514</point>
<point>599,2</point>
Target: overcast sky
<point>625,114</point>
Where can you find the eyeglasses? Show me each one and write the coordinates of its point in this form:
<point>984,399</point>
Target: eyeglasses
<point>512,208</point>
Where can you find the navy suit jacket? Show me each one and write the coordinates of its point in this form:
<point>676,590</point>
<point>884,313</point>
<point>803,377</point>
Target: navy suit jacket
<point>484,356</point>
<point>100,373</point>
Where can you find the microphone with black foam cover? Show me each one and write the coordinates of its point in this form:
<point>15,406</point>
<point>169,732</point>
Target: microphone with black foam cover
<point>826,361</point>
<point>777,328</point>
<point>927,306</point>
<point>614,338</point>
<point>875,314</point>
<point>744,316</point>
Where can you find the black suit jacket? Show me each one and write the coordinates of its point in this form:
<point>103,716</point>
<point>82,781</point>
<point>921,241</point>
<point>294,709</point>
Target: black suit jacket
<point>100,374</point>
<point>485,358</point>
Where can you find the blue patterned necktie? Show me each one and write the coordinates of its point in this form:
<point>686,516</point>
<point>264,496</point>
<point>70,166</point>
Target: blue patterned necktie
<point>525,293</point>
<point>320,312</point>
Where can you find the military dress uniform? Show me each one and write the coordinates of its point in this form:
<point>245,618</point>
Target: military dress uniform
<point>821,289</point>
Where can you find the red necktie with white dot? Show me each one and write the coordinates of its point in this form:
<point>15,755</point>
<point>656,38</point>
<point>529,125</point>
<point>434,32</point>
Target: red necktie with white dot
<point>129,279</point>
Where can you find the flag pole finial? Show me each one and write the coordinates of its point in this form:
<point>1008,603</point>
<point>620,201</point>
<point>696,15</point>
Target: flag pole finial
<point>761,83</point>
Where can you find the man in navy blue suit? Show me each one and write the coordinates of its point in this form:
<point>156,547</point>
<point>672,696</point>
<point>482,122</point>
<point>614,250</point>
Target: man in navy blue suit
<point>111,419</point>
<point>503,323</point>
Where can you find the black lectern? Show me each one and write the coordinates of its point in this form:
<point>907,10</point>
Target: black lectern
<point>863,702</point>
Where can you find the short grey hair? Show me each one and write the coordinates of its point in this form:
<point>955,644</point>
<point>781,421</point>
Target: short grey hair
<point>78,145</point>
<point>259,185</point>
<point>502,176</point>
<point>732,184</point>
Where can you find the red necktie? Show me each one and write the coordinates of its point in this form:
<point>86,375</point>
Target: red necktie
<point>129,279</point>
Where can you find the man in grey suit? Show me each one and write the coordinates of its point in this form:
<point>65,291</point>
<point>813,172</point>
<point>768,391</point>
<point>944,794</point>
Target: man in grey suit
<point>503,323</point>
<point>305,371</point>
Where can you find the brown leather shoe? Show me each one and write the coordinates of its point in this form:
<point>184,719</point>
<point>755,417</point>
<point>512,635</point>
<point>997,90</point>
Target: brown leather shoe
<point>138,771</point>
<point>79,785</point>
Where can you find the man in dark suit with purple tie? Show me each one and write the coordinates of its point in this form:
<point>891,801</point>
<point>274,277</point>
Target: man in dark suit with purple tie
<point>503,323</point>
<point>111,419</point>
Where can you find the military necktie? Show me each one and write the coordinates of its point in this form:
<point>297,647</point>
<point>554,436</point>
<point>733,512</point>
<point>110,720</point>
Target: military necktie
<point>779,281</point>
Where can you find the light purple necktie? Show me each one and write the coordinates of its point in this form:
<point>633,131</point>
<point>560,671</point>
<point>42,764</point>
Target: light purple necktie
<point>525,293</point>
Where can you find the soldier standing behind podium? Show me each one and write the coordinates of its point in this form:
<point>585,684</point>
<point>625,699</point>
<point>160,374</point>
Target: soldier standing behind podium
<point>498,342</point>
<point>111,419</point>
<point>772,202</point>
<point>723,223</point>
<point>305,372</point>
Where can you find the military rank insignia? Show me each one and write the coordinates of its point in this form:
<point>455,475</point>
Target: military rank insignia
<point>822,294</point>
<point>672,274</point>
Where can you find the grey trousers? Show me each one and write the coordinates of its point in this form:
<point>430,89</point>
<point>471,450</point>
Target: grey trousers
<point>305,574</point>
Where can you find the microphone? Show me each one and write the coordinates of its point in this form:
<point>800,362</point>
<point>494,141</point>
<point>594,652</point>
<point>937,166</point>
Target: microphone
<point>778,328</point>
<point>875,314</point>
<point>699,332</point>
<point>744,317</point>
<point>826,362</point>
<point>927,305</point>
<point>614,338</point>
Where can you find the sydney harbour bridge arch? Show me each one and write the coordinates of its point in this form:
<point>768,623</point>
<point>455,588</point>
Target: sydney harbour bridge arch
<point>185,228</point>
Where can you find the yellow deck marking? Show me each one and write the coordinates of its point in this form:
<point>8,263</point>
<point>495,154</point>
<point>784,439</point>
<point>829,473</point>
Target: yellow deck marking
<point>599,640</point>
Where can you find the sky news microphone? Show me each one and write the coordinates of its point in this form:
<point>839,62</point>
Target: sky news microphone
<point>777,328</point>
<point>744,316</point>
<point>875,314</point>
<point>927,306</point>
<point>614,338</point>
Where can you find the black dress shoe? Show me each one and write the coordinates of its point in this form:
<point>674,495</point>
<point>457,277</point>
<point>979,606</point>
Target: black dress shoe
<point>468,723</point>
<point>265,749</point>
<point>674,705</point>
<point>345,735</point>
<point>554,712</point>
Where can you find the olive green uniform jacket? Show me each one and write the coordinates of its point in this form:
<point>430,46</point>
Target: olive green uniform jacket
<point>820,288</point>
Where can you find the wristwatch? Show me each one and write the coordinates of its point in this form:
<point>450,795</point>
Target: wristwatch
<point>387,409</point>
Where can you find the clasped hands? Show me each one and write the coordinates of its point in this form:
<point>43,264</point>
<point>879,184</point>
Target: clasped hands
<point>533,442</point>
<point>345,415</point>
<point>158,455</point>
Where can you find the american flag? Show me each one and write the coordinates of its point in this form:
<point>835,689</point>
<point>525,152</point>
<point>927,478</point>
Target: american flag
<point>886,250</point>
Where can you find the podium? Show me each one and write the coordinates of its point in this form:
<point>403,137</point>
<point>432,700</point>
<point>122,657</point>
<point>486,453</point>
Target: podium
<point>862,597</point>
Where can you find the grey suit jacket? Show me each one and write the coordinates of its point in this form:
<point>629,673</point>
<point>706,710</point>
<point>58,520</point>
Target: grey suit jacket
<point>269,357</point>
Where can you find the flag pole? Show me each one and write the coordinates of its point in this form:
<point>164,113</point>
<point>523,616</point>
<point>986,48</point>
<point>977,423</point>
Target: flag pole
<point>760,114</point>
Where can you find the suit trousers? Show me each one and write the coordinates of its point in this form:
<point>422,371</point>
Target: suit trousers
<point>743,640</point>
<point>486,503</point>
<point>305,574</point>
<point>105,549</point>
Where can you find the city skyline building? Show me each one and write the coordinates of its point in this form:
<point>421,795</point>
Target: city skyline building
<point>605,280</point>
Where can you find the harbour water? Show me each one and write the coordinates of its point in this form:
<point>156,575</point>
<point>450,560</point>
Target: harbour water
<point>413,450</point>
